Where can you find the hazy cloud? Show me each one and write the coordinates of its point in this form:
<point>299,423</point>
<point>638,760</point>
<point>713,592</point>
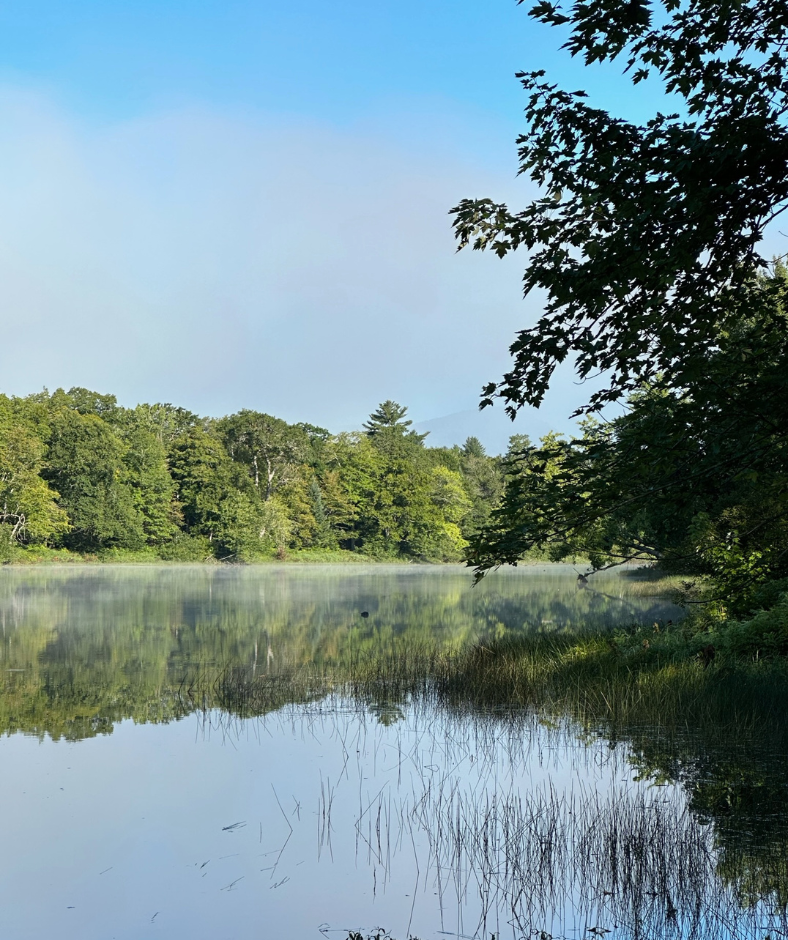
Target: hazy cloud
<point>239,261</point>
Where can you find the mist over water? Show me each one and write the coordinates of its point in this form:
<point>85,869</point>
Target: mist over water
<point>134,806</point>
<point>170,616</point>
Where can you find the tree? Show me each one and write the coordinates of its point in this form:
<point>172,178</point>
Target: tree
<point>166,421</point>
<point>337,505</point>
<point>149,478</point>
<point>644,236</point>
<point>271,449</point>
<point>203,475</point>
<point>449,497</point>
<point>693,478</point>
<point>28,507</point>
<point>219,500</point>
<point>646,242</point>
<point>403,505</point>
<point>483,479</point>
<point>323,536</point>
<point>389,419</point>
<point>85,464</point>
<point>246,527</point>
<point>87,402</point>
<point>473,447</point>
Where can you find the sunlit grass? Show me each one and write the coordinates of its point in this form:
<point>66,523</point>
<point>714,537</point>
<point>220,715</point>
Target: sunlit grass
<point>634,677</point>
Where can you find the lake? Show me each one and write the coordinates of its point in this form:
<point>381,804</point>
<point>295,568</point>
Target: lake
<point>138,801</point>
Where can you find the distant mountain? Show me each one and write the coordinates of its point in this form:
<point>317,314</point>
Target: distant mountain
<point>491,426</point>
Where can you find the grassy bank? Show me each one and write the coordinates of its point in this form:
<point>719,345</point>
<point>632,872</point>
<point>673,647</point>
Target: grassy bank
<point>665,676</point>
<point>635,677</point>
<point>41,555</point>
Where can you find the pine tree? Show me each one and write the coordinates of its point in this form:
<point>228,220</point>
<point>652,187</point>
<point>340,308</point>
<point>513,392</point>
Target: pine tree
<point>390,418</point>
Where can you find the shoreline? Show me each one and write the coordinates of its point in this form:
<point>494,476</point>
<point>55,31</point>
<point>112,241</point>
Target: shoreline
<point>333,558</point>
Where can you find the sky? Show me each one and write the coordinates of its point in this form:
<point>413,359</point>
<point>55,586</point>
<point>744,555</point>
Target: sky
<point>235,205</point>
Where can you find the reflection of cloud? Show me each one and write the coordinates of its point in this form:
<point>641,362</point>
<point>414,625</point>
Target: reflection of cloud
<point>243,262</point>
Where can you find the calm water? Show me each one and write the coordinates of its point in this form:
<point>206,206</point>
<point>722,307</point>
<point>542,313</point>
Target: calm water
<point>130,811</point>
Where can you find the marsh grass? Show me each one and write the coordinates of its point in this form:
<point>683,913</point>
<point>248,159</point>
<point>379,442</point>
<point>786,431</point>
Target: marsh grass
<point>693,847</point>
<point>614,681</point>
<point>629,860</point>
<point>682,868</point>
<point>651,582</point>
<point>636,677</point>
<point>632,860</point>
<point>627,863</point>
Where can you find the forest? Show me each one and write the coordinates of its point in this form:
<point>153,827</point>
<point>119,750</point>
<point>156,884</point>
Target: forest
<point>80,474</point>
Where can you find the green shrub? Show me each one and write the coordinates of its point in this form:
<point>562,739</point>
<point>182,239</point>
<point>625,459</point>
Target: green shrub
<point>765,634</point>
<point>117,555</point>
<point>186,548</point>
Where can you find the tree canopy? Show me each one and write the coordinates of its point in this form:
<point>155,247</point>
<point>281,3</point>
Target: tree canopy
<point>644,236</point>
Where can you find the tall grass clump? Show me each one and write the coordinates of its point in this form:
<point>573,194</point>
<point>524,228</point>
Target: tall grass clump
<point>662,677</point>
<point>638,677</point>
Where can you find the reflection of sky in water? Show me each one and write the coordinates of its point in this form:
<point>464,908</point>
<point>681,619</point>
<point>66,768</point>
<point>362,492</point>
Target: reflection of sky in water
<point>210,828</point>
<point>321,815</point>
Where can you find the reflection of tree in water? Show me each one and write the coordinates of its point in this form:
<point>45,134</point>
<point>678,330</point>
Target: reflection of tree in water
<point>737,783</point>
<point>387,713</point>
<point>94,646</point>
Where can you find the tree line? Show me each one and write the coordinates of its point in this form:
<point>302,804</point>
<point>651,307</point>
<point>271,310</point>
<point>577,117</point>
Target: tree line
<point>80,472</point>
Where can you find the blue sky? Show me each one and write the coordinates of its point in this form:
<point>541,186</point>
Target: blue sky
<point>243,204</point>
<point>339,61</point>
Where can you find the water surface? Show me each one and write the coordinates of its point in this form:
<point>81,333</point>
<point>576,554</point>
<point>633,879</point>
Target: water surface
<point>133,809</point>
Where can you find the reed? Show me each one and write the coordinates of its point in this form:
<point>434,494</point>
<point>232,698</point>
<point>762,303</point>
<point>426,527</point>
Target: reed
<point>633,678</point>
<point>630,861</point>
